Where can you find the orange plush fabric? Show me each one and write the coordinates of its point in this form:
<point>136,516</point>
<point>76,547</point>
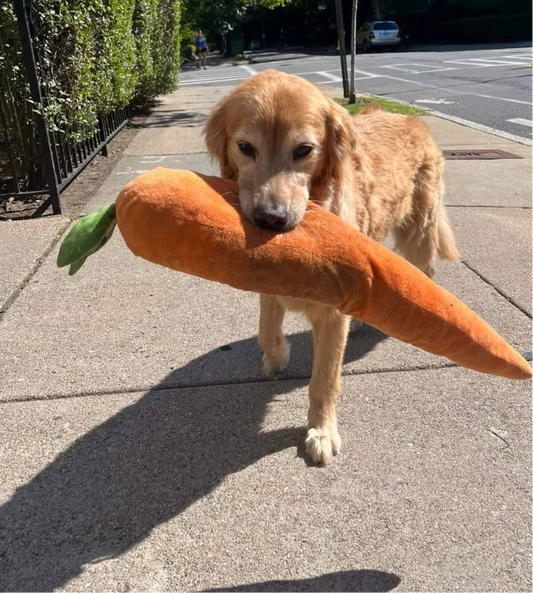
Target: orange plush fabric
<point>192,223</point>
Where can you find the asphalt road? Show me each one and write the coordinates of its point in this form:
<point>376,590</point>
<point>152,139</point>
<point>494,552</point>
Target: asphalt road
<point>490,87</point>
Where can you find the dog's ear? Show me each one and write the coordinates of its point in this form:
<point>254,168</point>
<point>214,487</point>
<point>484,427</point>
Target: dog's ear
<point>340,139</point>
<point>216,138</point>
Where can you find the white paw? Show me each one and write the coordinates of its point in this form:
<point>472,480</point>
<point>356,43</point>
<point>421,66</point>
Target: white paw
<point>322,443</point>
<point>275,362</point>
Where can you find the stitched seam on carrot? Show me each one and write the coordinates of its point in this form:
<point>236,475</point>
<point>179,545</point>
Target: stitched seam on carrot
<point>402,297</point>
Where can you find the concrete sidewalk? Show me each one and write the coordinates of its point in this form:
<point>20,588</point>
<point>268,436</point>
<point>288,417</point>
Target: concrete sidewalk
<point>142,450</point>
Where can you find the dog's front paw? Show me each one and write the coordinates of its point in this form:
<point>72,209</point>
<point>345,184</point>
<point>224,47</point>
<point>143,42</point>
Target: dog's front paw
<point>322,443</point>
<point>275,361</point>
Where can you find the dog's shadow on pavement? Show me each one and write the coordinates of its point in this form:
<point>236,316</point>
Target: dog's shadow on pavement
<point>139,469</point>
<point>368,581</point>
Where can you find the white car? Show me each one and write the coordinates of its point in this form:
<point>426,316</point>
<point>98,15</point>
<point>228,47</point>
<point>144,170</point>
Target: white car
<point>378,34</point>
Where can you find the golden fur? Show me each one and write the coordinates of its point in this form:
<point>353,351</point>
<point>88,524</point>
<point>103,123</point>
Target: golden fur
<point>378,171</point>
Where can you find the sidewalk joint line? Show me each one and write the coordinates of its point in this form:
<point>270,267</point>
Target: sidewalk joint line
<point>170,387</point>
<point>508,298</point>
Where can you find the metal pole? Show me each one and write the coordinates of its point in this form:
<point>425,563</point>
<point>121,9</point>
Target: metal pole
<point>351,100</point>
<point>102,135</point>
<point>342,47</point>
<point>31,72</point>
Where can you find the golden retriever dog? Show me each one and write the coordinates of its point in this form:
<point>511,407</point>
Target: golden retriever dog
<point>286,143</point>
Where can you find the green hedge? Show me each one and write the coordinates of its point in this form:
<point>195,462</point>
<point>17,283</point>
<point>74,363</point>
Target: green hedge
<point>96,56</point>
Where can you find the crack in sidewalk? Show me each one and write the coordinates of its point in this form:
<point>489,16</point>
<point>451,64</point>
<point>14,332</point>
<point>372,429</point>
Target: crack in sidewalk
<point>39,261</point>
<point>508,298</point>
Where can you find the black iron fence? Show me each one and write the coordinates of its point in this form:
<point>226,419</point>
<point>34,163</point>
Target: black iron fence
<point>62,161</point>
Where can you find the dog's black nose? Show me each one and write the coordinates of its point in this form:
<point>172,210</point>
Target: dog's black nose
<point>272,219</point>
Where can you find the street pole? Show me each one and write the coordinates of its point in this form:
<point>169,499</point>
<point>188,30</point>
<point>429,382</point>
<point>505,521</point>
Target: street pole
<point>342,48</point>
<point>352,99</point>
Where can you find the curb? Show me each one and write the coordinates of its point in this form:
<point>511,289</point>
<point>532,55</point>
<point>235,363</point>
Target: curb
<point>466,122</point>
<point>280,56</point>
<point>470,124</point>
<point>258,60</point>
<point>459,120</point>
<point>224,64</point>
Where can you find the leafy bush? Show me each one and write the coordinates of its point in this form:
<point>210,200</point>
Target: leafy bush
<point>166,47</point>
<point>187,39</point>
<point>15,107</point>
<point>95,56</point>
<point>156,28</point>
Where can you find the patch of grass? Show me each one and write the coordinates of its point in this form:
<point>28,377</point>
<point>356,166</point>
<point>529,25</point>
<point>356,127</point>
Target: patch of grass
<point>386,105</point>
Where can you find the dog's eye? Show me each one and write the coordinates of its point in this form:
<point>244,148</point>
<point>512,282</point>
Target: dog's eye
<point>302,151</point>
<point>247,149</point>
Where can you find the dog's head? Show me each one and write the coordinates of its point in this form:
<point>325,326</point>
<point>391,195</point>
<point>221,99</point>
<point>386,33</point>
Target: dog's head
<point>278,136</point>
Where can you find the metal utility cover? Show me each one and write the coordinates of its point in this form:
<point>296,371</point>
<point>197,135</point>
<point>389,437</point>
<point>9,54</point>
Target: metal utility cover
<point>478,154</point>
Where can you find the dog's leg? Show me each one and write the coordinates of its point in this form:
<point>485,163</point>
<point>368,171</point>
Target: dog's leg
<point>330,332</point>
<point>271,340</point>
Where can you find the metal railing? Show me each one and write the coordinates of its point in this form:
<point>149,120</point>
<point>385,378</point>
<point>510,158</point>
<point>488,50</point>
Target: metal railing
<point>62,161</point>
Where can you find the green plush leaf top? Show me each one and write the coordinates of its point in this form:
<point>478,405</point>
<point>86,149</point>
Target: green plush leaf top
<point>86,237</point>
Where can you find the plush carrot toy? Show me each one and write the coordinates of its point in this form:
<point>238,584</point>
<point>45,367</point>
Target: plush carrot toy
<point>192,223</point>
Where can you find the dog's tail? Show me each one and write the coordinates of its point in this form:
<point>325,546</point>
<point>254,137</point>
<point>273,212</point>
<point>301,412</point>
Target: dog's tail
<point>447,249</point>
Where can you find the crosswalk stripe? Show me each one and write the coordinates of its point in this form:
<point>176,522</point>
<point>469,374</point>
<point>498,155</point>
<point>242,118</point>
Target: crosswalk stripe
<point>465,63</point>
<point>368,74</point>
<point>329,76</point>
<point>518,57</point>
<point>414,68</point>
<point>212,76</point>
<point>508,62</point>
<point>249,69</point>
<point>213,80</point>
<point>229,78</point>
<point>521,122</point>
